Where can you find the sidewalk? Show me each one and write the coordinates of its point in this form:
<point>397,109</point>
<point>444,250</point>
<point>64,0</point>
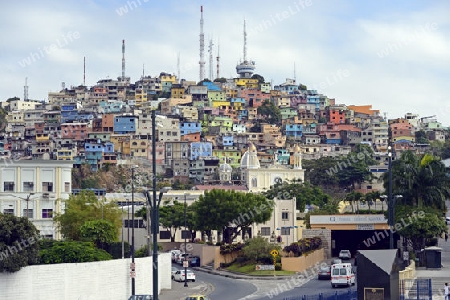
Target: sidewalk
<point>439,276</point>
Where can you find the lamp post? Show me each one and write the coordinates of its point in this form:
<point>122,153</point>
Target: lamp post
<point>185,256</point>
<point>133,274</point>
<point>154,209</point>
<point>390,201</point>
<point>27,199</point>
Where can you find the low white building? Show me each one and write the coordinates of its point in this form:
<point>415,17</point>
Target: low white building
<point>35,189</point>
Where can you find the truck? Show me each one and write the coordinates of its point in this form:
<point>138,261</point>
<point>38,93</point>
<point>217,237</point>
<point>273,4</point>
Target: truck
<point>342,274</point>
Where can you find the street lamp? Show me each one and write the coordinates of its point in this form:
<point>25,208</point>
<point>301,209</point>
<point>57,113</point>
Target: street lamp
<point>27,199</point>
<point>133,274</point>
<point>185,252</point>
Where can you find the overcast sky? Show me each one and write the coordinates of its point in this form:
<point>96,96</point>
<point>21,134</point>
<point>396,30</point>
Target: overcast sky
<point>394,55</point>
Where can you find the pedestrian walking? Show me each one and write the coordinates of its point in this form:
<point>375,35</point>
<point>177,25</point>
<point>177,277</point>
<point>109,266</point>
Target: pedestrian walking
<point>446,291</point>
<point>446,236</point>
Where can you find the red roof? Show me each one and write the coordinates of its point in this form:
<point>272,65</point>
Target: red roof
<point>205,187</point>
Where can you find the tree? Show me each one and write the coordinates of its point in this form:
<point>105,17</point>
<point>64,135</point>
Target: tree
<point>58,252</point>
<point>270,112</point>
<point>421,137</point>
<point>421,180</point>
<point>258,249</point>
<point>171,217</point>
<point>321,172</point>
<point>354,168</point>
<point>305,193</point>
<point>218,209</point>
<point>418,225</point>
<point>259,77</point>
<point>18,243</point>
<point>86,207</point>
<point>100,232</point>
<point>221,80</point>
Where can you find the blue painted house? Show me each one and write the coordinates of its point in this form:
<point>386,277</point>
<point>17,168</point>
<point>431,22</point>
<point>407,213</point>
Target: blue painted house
<point>198,149</point>
<point>125,124</point>
<point>190,127</point>
<point>294,130</point>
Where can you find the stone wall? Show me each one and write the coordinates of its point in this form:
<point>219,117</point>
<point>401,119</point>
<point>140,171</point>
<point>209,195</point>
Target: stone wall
<point>108,280</point>
<point>324,234</point>
<point>301,263</point>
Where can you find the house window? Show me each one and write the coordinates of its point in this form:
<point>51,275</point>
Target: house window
<point>47,213</point>
<point>265,231</point>
<point>8,186</point>
<point>285,216</point>
<point>28,213</point>
<point>285,231</point>
<point>28,186</point>
<point>164,235</point>
<point>8,211</point>
<point>47,186</point>
<point>67,187</point>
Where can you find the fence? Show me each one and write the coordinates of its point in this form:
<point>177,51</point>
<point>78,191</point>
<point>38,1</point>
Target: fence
<point>349,295</point>
<point>413,289</point>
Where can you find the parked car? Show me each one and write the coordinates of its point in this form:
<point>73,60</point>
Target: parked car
<point>194,261</point>
<point>336,261</point>
<point>180,257</point>
<point>345,254</point>
<point>174,253</point>
<point>324,272</point>
<point>447,220</point>
<point>197,297</point>
<point>141,297</point>
<point>174,270</point>
<point>179,276</point>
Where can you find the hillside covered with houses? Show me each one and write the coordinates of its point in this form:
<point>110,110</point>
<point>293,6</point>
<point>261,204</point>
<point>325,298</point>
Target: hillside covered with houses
<point>199,126</point>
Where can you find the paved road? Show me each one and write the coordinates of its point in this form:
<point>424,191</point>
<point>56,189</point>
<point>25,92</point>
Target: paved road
<point>217,287</point>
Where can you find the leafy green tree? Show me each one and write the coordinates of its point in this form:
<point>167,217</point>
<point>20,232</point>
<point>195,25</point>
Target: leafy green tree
<point>421,137</point>
<point>171,217</point>
<point>321,172</point>
<point>257,249</point>
<point>221,80</point>
<point>256,127</point>
<point>100,232</point>
<point>18,243</point>
<point>354,168</point>
<point>305,193</point>
<point>259,77</point>
<point>418,225</point>
<point>270,112</point>
<point>218,209</point>
<point>143,251</point>
<point>86,207</point>
<point>57,252</point>
<point>421,180</point>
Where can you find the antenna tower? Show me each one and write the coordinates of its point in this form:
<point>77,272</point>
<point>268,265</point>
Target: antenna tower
<point>218,62</point>
<point>202,47</point>
<point>25,90</point>
<point>84,71</point>
<point>123,60</point>
<point>210,49</point>
<point>178,67</point>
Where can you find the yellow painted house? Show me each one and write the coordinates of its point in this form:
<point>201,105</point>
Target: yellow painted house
<point>250,83</point>
<point>121,143</point>
<point>232,157</point>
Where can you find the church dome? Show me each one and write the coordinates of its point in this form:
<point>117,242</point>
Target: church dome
<point>225,168</point>
<point>250,158</point>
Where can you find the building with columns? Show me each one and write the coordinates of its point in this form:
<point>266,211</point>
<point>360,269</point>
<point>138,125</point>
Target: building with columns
<point>35,189</point>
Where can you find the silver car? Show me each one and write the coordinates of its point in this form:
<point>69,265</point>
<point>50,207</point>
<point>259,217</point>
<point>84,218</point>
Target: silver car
<point>345,254</point>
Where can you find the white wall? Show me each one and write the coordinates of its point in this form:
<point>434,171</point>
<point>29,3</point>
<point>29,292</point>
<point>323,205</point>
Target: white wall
<point>85,281</point>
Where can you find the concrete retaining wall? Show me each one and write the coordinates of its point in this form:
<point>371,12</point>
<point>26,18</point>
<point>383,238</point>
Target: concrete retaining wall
<point>109,280</point>
<point>299,264</point>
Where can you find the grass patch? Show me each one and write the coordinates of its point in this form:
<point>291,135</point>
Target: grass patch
<point>249,269</point>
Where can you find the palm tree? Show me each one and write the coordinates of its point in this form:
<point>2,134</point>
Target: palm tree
<point>421,180</point>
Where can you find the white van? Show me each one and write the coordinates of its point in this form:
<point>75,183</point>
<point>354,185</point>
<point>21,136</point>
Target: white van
<point>342,274</point>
